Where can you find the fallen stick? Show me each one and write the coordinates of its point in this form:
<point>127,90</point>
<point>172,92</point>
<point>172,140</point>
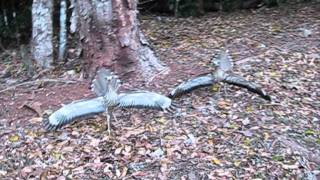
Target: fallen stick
<point>38,81</point>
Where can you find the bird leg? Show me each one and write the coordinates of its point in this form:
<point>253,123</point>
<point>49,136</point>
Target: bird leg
<point>114,117</point>
<point>225,90</point>
<point>108,123</point>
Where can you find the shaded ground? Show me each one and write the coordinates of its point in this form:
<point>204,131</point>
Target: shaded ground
<point>224,131</point>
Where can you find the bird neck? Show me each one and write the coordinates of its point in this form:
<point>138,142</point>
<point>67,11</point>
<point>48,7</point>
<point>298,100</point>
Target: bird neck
<point>219,74</point>
<point>111,98</point>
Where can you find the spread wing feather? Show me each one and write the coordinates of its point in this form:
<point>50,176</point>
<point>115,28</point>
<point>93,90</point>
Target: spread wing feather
<point>241,82</point>
<point>73,111</point>
<point>192,84</point>
<point>144,99</point>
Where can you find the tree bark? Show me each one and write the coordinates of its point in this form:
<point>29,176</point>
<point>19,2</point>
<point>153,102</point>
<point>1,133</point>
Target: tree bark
<point>63,30</point>
<point>42,30</point>
<point>110,37</point>
<point>200,7</point>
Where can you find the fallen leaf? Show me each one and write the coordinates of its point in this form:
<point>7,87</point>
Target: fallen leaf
<point>237,163</point>
<point>215,88</point>
<point>56,155</point>
<point>133,132</point>
<point>118,173</point>
<point>266,136</point>
<point>124,172</point>
<point>3,173</point>
<point>36,120</point>
<point>157,153</point>
<point>247,133</point>
<point>61,178</point>
<point>14,138</point>
<point>162,120</point>
<point>245,121</point>
<point>216,161</point>
<point>118,151</point>
<point>224,104</point>
<point>127,148</point>
<point>309,132</point>
<point>34,106</point>
<point>25,171</point>
<point>94,142</point>
<point>249,109</point>
<point>290,166</point>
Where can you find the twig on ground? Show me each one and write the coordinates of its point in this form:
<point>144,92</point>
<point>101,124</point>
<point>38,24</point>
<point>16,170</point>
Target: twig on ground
<point>38,81</point>
<point>163,72</point>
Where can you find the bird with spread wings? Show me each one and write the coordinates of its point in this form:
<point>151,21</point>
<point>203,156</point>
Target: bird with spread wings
<point>222,74</point>
<point>105,86</point>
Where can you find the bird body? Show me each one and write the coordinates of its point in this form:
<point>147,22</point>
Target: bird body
<point>222,74</point>
<point>223,61</point>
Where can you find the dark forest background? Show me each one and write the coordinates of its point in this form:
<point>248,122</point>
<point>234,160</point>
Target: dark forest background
<point>16,24</point>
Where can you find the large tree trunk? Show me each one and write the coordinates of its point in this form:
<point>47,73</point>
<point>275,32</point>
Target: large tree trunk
<point>110,37</point>
<point>63,30</point>
<point>108,34</point>
<point>42,31</point>
<point>200,5</point>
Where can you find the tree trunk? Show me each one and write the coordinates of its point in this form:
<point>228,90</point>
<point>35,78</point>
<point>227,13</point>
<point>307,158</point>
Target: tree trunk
<point>110,37</point>
<point>63,30</point>
<point>42,30</point>
<point>200,7</point>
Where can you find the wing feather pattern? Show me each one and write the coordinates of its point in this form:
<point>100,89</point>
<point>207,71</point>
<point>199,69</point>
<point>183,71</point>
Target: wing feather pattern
<point>241,82</point>
<point>144,99</point>
<point>195,83</point>
<point>73,111</point>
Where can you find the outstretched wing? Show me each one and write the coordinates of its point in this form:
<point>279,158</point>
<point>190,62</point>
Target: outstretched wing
<point>145,99</point>
<point>241,82</point>
<point>105,82</point>
<point>192,84</point>
<point>73,111</point>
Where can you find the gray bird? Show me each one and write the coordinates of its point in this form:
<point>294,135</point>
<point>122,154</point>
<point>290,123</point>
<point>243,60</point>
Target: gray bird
<point>222,74</point>
<point>105,86</point>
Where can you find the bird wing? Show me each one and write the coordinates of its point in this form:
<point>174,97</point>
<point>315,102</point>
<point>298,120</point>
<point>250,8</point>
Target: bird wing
<point>105,82</point>
<point>144,99</point>
<point>73,111</point>
<point>241,82</point>
<point>195,83</point>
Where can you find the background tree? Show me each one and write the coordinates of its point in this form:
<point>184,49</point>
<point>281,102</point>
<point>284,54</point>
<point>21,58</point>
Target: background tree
<point>108,34</point>
<point>98,32</point>
<point>42,32</point>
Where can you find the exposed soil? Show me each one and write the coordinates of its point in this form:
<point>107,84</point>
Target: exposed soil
<point>222,132</point>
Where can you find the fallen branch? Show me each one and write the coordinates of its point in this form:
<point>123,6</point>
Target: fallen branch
<point>39,81</point>
<point>163,72</point>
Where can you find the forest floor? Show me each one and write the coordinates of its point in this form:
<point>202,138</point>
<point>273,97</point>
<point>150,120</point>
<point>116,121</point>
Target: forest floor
<point>223,132</point>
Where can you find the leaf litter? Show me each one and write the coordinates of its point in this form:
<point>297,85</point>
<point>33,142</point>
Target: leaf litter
<point>222,131</point>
